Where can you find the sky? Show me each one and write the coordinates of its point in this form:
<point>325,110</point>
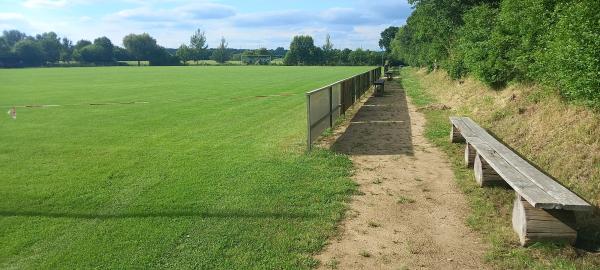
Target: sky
<point>244,24</point>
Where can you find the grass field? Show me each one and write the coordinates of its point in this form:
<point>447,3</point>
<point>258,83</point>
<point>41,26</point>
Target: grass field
<point>206,170</point>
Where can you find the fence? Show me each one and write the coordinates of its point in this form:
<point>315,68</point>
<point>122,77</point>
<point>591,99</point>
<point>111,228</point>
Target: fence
<point>326,104</point>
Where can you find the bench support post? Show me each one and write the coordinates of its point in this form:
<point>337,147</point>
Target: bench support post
<point>538,225</point>
<point>485,174</point>
<point>470,154</point>
<point>455,136</point>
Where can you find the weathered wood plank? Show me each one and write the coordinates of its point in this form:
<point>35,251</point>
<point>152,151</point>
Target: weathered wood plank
<point>521,184</point>
<point>565,198</point>
<point>538,225</point>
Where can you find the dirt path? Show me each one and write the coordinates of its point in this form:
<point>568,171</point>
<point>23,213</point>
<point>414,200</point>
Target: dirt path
<point>410,214</point>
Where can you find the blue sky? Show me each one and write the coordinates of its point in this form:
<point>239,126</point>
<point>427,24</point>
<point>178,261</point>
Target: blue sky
<point>245,24</point>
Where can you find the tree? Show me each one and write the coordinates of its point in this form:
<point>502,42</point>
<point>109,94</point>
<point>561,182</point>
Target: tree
<point>198,45</point>
<point>50,44</point>
<point>104,49</point>
<point>161,57</point>
<point>66,50</point>
<point>279,52</point>
<point>90,54</point>
<point>386,38</point>
<point>11,37</point>
<point>358,57</point>
<point>82,43</point>
<point>30,52</point>
<point>141,47</point>
<point>302,51</point>
<point>328,51</point>
<point>345,56</point>
<point>121,54</point>
<point>184,53</point>
<point>220,54</point>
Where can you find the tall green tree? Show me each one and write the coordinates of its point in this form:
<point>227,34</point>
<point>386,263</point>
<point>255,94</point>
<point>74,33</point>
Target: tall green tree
<point>220,54</point>
<point>198,45</point>
<point>30,52</point>
<point>105,50</point>
<point>66,50</point>
<point>386,38</point>
<point>184,53</point>
<point>50,44</point>
<point>141,47</point>
<point>11,37</point>
<point>302,51</point>
<point>328,53</point>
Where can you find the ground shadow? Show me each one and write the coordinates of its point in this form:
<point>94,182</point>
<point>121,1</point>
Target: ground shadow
<point>381,126</point>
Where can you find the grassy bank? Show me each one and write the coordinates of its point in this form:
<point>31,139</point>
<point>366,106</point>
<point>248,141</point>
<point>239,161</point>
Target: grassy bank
<point>165,167</point>
<point>533,122</point>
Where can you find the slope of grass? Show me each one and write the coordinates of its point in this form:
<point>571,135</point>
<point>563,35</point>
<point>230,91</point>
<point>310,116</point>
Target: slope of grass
<point>491,206</point>
<point>206,170</point>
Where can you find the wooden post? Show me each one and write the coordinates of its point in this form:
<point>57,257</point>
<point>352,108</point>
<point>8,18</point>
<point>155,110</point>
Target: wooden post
<point>455,136</point>
<point>485,174</point>
<point>470,154</point>
<point>538,225</point>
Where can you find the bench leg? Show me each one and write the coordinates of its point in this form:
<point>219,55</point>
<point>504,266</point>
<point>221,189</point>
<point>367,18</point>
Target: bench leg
<point>485,174</point>
<point>470,154</point>
<point>538,225</point>
<point>455,136</point>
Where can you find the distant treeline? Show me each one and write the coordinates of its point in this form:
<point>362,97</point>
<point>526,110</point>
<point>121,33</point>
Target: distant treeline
<point>304,52</point>
<point>552,42</point>
<point>18,49</point>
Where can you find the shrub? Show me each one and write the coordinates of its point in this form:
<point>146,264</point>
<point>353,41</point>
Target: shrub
<point>572,59</point>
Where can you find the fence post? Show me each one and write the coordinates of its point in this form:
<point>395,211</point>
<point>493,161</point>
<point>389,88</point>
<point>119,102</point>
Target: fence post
<point>331,107</point>
<point>308,141</point>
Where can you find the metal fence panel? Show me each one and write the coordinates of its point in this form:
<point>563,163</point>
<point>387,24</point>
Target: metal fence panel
<point>326,104</point>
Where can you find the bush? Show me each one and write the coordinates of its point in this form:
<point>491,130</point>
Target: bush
<point>572,59</point>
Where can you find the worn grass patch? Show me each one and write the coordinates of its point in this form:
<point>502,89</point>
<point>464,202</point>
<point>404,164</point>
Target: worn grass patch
<point>491,207</point>
<point>199,174</point>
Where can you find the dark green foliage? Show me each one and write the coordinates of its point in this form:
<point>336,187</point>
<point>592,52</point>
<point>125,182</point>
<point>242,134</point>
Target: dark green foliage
<point>30,52</point>
<point>105,47</point>
<point>386,38</point>
<point>571,61</point>
<point>141,47</point>
<point>554,42</point>
<point>51,46</point>
<point>220,54</point>
<point>484,50</point>
<point>11,37</point>
<point>302,51</point>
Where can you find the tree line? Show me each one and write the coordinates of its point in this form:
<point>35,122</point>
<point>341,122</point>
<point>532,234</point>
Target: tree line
<point>18,49</point>
<point>551,42</point>
<point>304,52</point>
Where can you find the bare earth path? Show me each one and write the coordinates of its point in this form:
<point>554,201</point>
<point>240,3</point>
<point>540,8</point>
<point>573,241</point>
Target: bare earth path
<point>409,213</point>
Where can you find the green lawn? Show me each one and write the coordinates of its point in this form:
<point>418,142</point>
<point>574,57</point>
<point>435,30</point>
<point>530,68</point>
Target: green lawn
<point>207,170</point>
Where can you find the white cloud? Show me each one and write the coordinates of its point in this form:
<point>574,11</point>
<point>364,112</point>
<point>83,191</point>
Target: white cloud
<point>171,22</point>
<point>45,3</point>
<point>9,16</point>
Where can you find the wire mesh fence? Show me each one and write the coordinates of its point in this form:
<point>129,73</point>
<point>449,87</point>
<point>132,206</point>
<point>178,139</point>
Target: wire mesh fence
<point>326,104</point>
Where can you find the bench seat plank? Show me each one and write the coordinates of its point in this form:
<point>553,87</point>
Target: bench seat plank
<point>517,172</point>
<point>536,196</point>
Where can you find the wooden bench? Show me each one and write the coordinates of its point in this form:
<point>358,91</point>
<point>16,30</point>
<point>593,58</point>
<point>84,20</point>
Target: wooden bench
<point>389,75</point>
<point>543,209</point>
<point>379,87</point>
